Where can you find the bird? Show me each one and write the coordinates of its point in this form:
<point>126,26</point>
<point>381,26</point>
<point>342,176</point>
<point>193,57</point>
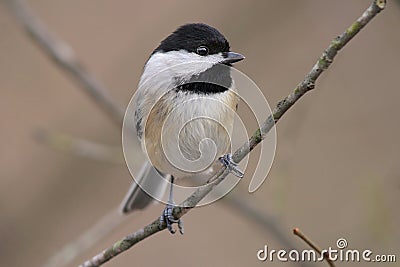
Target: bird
<point>185,106</point>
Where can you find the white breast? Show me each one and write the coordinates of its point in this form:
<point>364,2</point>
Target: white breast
<point>190,134</point>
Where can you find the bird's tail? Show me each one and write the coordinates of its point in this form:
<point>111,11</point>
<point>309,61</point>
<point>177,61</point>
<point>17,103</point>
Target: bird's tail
<point>151,180</point>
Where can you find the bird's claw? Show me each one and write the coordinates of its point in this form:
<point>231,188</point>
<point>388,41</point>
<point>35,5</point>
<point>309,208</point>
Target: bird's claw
<point>168,218</point>
<point>232,166</point>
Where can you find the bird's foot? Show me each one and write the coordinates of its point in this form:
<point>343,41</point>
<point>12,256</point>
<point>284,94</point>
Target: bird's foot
<point>168,218</point>
<point>231,165</point>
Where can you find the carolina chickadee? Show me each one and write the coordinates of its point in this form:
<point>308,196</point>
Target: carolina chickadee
<point>186,97</point>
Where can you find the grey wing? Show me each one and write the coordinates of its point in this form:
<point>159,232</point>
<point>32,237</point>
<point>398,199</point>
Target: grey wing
<point>143,102</point>
<point>150,179</point>
<point>138,123</point>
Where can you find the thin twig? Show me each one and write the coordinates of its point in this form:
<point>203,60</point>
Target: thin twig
<point>297,232</point>
<point>63,55</point>
<point>79,147</point>
<point>306,85</point>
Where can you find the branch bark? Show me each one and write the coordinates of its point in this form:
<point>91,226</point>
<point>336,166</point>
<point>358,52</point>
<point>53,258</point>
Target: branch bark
<point>281,108</point>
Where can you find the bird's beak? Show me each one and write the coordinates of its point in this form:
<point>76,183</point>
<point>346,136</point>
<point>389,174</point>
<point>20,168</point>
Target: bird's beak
<point>231,57</point>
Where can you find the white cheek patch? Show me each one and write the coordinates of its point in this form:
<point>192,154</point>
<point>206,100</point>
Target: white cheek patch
<point>180,64</point>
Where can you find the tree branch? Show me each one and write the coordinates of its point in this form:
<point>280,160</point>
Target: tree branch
<point>303,87</point>
<point>79,147</point>
<point>63,55</point>
<point>105,225</point>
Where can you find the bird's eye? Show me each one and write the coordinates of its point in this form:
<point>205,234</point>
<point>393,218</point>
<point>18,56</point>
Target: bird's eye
<point>202,50</point>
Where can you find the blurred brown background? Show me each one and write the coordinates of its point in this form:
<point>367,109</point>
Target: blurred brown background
<point>336,171</point>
